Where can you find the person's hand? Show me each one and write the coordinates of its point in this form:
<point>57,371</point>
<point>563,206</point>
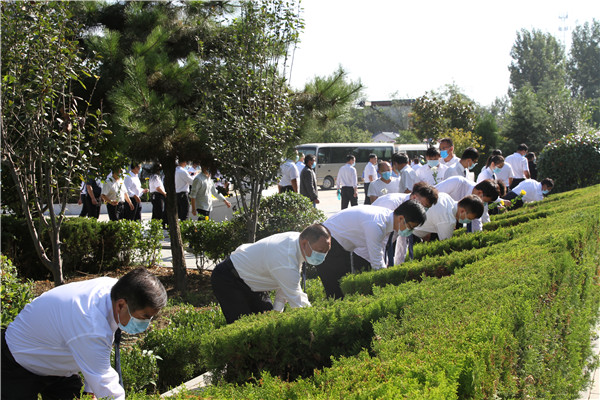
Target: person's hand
<point>228,204</point>
<point>131,207</point>
<point>317,201</point>
<point>94,202</point>
<point>114,202</point>
<point>145,191</point>
<point>79,201</point>
<point>194,213</point>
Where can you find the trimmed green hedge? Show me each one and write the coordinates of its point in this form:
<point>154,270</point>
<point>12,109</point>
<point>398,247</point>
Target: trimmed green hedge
<point>87,245</point>
<point>514,323</point>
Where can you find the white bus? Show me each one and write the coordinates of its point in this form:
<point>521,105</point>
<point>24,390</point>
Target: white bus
<point>332,156</point>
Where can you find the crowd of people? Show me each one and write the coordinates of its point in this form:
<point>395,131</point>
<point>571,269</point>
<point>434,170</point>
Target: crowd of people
<point>405,202</point>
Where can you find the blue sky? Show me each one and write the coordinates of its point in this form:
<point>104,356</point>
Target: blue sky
<point>401,49</point>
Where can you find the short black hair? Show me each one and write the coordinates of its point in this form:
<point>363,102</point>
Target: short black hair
<point>427,191</point>
<point>372,156</point>
<point>400,158</point>
<point>314,232</point>
<point>470,153</point>
<point>350,157</point>
<point>133,166</point>
<point>432,152</point>
<point>522,147</point>
<point>498,159</point>
<point>490,188</point>
<point>308,158</point>
<point>140,289</point>
<point>380,164</point>
<point>472,204</point>
<point>530,156</point>
<point>548,182</point>
<point>412,211</point>
<point>447,140</point>
<point>502,188</point>
<point>496,152</point>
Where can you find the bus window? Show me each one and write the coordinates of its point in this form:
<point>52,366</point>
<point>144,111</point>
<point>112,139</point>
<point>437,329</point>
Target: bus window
<point>306,150</point>
<point>338,154</point>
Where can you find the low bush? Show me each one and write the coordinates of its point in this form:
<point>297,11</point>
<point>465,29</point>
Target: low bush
<point>87,245</point>
<point>15,293</point>
<point>139,369</point>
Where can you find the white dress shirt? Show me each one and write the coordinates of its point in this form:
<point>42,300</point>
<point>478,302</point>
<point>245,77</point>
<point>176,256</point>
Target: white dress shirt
<point>183,180</point>
<point>155,183</point>
<point>451,162</point>
<point>114,189</point>
<point>457,187</point>
<point>67,330</point>
<point>505,172</point>
<point>415,167</point>
<point>519,165</point>
<point>380,188</point>
<point>203,189</point>
<point>289,171</point>
<point>486,173</point>
<point>133,184</point>
<point>532,188</point>
<point>347,176</point>
<point>370,170</point>
<point>273,263</point>
<point>426,174</point>
<point>300,166</point>
<point>456,170</point>
<point>441,218</point>
<point>391,201</point>
<point>363,226</point>
<point>408,178</point>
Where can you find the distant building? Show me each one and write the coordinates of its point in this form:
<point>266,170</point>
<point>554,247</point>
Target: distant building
<point>385,137</point>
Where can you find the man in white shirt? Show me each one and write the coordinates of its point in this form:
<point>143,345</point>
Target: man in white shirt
<point>467,161</point>
<point>416,164</point>
<point>366,227</point>
<point>433,172</point>
<point>384,185</point>
<point>492,170</point>
<point>183,181</point>
<point>407,176</point>
<point>519,165</point>
<point>203,188</point>
<point>300,163</point>
<point>347,183</point>
<point>458,188</point>
<point>442,217</point>
<point>243,281</point>
<point>69,330</point>
<point>369,175</point>
<point>532,189</point>
<point>135,192</point>
<point>114,193</point>
<point>447,156</point>
<point>290,177</point>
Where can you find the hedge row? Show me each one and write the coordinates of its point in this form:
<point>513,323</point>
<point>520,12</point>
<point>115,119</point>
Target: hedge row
<point>514,324</point>
<point>87,245</point>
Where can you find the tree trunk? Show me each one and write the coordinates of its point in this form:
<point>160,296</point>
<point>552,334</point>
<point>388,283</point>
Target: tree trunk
<point>178,258</point>
<point>57,271</point>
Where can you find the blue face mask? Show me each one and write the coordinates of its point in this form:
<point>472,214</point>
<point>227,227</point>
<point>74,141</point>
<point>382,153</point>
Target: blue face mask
<point>444,153</point>
<point>134,325</point>
<point>433,163</point>
<point>405,233</point>
<point>497,170</point>
<point>464,221</point>
<point>545,192</point>
<point>472,166</point>
<point>315,258</point>
<point>386,175</point>
<point>314,165</point>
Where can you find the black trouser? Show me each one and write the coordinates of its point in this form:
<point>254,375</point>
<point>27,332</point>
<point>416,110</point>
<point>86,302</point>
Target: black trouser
<point>93,210</point>
<point>347,193</point>
<point>336,264</point>
<point>115,213</point>
<point>367,198</point>
<point>202,212</point>
<point>288,188</point>
<point>135,214</point>
<point>183,205</point>
<point>234,295</point>
<point>390,250</point>
<point>84,210</point>
<point>515,182</point>
<point>158,207</point>
<point>18,383</point>
<point>512,195</point>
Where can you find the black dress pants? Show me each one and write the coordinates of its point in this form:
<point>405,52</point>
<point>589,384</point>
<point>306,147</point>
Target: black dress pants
<point>93,211</point>
<point>115,213</point>
<point>183,205</point>
<point>347,193</point>
<point>20,384</point>
<point>333,268</point>
<point>234,295</point>
<point>158,207</point>
<point>367,198</point>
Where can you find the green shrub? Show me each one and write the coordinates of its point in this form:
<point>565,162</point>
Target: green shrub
<point>139,368</point>
<point>177,345</point>
<point>15,293</point>
<point>572,161</point>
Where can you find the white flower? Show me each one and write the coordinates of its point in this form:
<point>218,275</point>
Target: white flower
<point>384,191</point>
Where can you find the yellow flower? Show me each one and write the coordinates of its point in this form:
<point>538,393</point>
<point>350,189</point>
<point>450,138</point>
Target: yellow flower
<point>206,218</point>
<point>523,193</point>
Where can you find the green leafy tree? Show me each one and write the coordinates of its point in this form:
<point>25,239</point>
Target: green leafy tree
<point>48,133</point>
<point>584,61</point>
<point>159,50</point>
<point>538,61</point>
<point>428,120</point>
<point>247,107</point>
<point>527,121</point>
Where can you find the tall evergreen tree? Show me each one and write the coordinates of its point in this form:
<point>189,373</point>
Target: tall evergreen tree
<point>584,61</point>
